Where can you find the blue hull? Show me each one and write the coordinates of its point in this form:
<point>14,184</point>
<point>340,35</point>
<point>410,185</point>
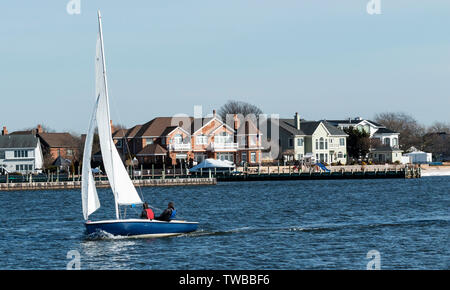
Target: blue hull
<point>143,228</point>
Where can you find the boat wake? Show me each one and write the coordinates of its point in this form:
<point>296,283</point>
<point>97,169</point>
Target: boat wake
<point>316,228</point>
<point>102,235</point>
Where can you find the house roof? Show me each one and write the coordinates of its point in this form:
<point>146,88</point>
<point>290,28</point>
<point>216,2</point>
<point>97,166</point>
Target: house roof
<point>288,125</point>
<point>59,140</point>
<point>152,149</point>
<point>352,122</point>
<point>385,148</point>
<point>120,133</point>
<point>159,126</point>
<point>385,130</point>
<point>18,141</point>
<point>26,132</point>
<point>62,161</point>
<point>309,127</point>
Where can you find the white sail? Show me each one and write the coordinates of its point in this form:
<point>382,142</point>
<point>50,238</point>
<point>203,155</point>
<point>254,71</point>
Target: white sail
<point>124,191</point>
<point>89,197</point>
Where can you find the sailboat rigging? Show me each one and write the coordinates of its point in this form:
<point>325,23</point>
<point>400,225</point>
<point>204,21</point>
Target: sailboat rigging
<point>122,187</point>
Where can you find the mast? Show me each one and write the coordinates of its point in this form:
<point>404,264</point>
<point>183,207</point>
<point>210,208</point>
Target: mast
<point>107,103</point>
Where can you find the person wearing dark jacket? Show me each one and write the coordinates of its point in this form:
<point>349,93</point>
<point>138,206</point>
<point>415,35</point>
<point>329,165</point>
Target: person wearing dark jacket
<point>168,213</point>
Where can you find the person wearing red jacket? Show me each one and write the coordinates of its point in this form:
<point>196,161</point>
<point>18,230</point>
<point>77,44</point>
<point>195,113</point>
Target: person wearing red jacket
<point>147,213</point>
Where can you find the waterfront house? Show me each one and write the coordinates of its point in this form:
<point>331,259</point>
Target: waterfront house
<point>376,131</point>
<point>20,153</point>
<point>385,145</point>
<point>55,145</point>
<point>174,140</point>
<point>310,141</point>
<point>385,154</point>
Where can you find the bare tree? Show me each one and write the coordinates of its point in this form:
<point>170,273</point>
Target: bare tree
<point>238,107</point>
<point>411,132</point>
<point>437,140</point>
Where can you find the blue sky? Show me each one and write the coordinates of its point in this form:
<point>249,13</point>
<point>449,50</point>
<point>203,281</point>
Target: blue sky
<point>321,58</point>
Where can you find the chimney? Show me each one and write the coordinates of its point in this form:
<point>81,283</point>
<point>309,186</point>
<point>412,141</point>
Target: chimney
<point>39,129</point>
<point>297,121</point>
<point>214,113</point>
<point>112,127</point>
<point>4,131</point>
<point>236,122</point>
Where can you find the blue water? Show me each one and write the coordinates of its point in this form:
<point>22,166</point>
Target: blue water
<point>329,224</point>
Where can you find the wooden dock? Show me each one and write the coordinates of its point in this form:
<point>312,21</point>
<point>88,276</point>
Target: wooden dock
<point>105,184</point>
<point>321,175</point>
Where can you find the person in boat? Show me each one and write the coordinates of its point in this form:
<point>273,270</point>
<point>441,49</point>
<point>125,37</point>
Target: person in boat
<point>168,214</point>
<point>147,213</point>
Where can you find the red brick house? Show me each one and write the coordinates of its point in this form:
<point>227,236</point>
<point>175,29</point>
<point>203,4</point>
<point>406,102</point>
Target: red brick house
<point>172,140</point>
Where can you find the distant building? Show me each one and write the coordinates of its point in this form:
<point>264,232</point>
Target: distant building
<point>317,141</point>
<point>386,149</point>
<point>385,154</point>
<point>20,153</point>
<point>55,145</point>
<point>376,131</point>
<point>416,156</point>
<point>172,140</point>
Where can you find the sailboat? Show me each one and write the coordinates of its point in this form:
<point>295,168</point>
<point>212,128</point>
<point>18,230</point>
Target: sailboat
<point>125,194</point>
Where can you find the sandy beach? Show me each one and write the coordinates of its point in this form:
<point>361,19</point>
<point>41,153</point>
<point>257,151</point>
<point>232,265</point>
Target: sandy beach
<point>435,170</point>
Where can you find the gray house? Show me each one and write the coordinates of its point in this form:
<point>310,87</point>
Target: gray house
<point>20,153</point>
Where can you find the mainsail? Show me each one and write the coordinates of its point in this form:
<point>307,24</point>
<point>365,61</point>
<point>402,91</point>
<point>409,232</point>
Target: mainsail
<point>124,191</point>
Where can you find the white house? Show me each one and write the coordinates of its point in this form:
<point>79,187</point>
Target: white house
<point>20,153</point>
<point>386,136</point>
<point>419,157</point>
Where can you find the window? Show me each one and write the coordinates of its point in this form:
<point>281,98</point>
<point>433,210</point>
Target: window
<point>118,144</point>
<point>291,142</point>
<point>20,153</point>
<point>253,140</point>
<point>317,144</point>
<point>326,143</point>
<point>300,142</point>
<point>244,157</point>
<point>201,140</point>
<point>223,138</point>
<point>178,139</point>
<point>342,141</point>
<point>340,155</point>
<point>321,143</point>
<point>17,167</point>
<point>387,141</point>
<point>147,141</point>
<point>394,142</point>
<point>2,154</point>
<point>253,157</point>
<point>69,152</point>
